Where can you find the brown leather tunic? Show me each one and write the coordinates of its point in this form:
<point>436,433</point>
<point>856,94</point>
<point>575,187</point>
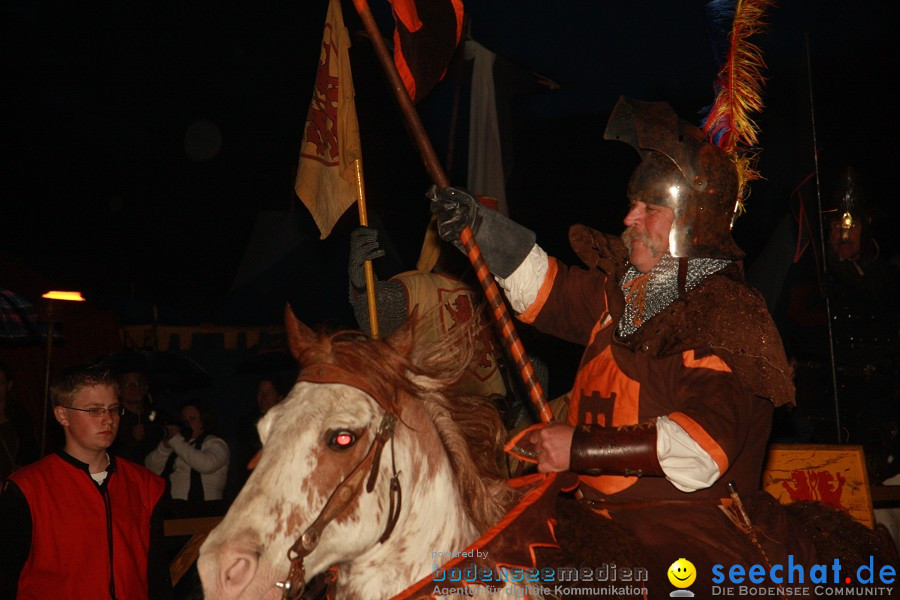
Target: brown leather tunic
<point>712,362</point>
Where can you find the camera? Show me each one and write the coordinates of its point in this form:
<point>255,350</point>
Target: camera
<point>155,417</point>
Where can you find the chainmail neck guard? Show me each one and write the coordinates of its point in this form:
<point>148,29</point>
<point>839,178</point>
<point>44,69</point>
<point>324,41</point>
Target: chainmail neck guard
<point>646,294</point>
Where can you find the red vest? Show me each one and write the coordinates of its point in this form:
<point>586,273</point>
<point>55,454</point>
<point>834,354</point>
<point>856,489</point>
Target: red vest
<point>81,531</point>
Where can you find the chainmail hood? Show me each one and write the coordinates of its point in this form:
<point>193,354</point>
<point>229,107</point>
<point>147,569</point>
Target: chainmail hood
<point>724,316</point>
<point>646,294</point>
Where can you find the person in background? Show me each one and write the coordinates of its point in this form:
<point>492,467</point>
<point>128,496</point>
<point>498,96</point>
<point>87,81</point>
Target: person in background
<point>270,390</point>
<point>81,524</point>
<point>194,460</point>
<point>137,436</point>
<point>17,444</point>
<point>860,289</point>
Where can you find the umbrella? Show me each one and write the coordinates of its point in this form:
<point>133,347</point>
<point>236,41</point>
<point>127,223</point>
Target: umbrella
<point>18,319</point>
<point>166,370</point>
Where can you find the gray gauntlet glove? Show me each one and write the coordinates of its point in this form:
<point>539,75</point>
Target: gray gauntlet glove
<point>503,242</point>
<point>363,246</point>
<point>390,296</point>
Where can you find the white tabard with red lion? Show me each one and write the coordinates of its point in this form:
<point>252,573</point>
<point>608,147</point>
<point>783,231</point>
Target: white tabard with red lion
<point>445,303</point>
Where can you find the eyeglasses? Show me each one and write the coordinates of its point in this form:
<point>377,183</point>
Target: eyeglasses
<point>96,411</point>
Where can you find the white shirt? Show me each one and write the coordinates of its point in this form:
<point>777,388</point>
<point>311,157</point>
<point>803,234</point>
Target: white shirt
<point>210,460</point>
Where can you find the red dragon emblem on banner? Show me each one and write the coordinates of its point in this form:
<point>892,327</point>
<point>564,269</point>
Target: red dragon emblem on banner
<point>321,125</point>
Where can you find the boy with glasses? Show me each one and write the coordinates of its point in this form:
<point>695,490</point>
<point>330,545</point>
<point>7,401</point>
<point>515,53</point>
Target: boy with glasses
<point>81,523</point>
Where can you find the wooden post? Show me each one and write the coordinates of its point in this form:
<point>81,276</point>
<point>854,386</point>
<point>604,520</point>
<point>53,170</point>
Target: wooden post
<point>198,528</point>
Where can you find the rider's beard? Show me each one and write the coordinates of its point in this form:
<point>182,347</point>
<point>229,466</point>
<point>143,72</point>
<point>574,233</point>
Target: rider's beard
<point>631,235</point>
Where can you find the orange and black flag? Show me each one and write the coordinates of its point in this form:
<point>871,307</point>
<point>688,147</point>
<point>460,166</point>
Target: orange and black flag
<point>425,38</point>
<point>326,177</point>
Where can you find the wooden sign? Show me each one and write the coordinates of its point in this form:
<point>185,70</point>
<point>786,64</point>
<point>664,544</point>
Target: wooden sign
<point>832,474</point>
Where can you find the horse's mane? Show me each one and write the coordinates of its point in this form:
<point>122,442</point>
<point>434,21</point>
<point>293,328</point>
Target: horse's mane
<point>469,426</point>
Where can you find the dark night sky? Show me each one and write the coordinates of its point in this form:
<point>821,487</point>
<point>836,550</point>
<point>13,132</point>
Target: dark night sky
<point>104,102</point>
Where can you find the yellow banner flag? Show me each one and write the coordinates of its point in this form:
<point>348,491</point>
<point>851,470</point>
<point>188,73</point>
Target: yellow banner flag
<point>326,178</point>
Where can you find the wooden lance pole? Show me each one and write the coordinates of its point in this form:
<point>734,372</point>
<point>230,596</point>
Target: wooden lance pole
<point>439,177</point>
<point>370,274</point>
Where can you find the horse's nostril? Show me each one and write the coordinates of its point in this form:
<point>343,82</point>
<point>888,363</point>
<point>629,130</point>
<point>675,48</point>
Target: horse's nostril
<point>239,572</point>
<point>227,572</point>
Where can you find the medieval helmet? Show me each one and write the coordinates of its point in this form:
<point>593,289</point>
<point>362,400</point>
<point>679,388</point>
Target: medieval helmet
<point>683,170</point>
<point>850,203</point>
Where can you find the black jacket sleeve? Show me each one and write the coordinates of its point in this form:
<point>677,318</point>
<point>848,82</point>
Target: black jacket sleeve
<point>158,578</point>
<point>15,531</point>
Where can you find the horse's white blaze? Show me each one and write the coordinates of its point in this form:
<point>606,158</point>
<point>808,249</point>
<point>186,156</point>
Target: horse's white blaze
<point>292,482</point>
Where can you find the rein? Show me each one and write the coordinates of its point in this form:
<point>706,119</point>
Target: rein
<point>351,487</point>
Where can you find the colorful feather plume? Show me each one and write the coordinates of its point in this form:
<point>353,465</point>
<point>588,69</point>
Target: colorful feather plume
<point>739,83</point>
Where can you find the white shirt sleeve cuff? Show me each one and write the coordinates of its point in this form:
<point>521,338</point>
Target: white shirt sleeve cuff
<point>686,464</point>
<point>523,285</point>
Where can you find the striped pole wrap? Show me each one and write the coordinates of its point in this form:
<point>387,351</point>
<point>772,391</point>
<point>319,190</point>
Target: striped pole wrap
<point>505,325</point>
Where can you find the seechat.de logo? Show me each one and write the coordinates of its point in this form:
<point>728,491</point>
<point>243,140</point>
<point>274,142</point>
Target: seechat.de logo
<point>797,579</point>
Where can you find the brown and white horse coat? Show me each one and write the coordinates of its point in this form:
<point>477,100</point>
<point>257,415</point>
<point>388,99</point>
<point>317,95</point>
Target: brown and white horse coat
<point>449,497</point>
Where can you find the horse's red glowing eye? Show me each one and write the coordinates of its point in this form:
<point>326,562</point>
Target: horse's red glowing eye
<point>342,439</point>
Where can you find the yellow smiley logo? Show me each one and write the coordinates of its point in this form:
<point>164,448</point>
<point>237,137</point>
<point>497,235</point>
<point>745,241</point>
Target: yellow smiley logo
<point>682,573</point>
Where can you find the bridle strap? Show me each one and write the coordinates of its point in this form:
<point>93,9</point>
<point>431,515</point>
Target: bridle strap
<point>339,501</point>
<point>348,489</point>
<point>396,497</point>
<point>328,373</point>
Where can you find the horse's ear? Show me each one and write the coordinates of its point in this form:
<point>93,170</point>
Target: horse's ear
<point>299,335</point>
<point>403,339</point>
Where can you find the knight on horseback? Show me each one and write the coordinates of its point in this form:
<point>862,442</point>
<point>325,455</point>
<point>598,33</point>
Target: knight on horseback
<point>672,404</point>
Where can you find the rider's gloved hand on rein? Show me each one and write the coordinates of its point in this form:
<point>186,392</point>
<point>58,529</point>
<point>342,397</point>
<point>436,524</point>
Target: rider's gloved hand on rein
<point>503,242</point>
<point>363,246</point>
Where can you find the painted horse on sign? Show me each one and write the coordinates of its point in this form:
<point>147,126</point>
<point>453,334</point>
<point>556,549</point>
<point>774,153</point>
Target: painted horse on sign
<point>367,465</point>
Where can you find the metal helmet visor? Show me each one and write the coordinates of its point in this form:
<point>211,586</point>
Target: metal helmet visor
<point>681,169</point>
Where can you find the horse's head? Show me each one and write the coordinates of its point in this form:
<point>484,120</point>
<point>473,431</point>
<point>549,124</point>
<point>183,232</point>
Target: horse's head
<point>322,488</point>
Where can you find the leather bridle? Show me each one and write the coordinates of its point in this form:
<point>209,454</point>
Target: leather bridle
<point>351,487</point>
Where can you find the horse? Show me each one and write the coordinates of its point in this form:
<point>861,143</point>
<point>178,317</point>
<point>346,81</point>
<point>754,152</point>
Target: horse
<point>367,464</point>
<point>374,473</point>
